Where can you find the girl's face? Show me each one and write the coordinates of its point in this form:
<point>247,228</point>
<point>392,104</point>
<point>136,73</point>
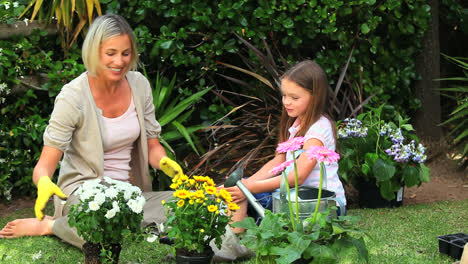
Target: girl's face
<point>296,99</point>
<point>115,55</point>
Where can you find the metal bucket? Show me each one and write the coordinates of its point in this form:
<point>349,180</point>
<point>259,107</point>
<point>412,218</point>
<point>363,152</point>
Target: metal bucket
<point>307,201</point>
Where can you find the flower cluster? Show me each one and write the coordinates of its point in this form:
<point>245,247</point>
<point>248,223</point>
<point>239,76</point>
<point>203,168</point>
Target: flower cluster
<point>198,212</point>
<point>403,152</point>
<point>352,128</point>
<point>106,210</point>
<point>400,151</point>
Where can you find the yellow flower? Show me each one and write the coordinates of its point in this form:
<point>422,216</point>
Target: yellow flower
<point>233,206</point>
<point>210,182</point>
<point>210,189</point>
<point>182,194</point>
<point>11,133</point>
<point>202,230</point>
<point>199,194</point>
<point>199,201</point>
<point>192,182</point>
<point>212,208</point>
<point>199,178</point>
<point>191,202</point>
<point>174,186</point>
<point>217,212</point>
<point>218,200</point>
<point>180,203</point>
<point>163,202</point>
<point>183,177</point>
<point>225,195</point>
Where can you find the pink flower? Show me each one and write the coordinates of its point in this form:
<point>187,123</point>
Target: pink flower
<point>322,154</point>
<point>281,167</point>
<point>290,145</point>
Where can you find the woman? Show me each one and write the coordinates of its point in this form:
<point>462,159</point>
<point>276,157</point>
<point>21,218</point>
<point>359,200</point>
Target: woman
<point>103,123</point>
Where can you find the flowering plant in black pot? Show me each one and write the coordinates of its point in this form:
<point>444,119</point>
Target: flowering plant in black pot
<point>381,152</point>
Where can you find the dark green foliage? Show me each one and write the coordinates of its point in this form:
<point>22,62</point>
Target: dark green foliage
<point>458,117</point>
<point>188,37</point>
<point>326,241</point>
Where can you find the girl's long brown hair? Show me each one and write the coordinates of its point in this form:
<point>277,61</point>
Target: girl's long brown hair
<point>309,75</point>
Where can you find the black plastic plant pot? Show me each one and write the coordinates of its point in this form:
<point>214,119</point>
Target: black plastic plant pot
<point>453,244</point>
<point>370,197</point>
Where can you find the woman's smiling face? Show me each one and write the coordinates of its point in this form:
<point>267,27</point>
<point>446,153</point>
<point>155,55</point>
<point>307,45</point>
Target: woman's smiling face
<point>296,99</point>
<point>115,55</point>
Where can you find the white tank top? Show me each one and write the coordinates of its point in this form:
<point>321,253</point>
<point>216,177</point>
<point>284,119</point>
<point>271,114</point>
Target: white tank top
<point>119,136</point>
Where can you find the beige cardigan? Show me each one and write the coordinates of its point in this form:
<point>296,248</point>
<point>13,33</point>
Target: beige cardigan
<point>75,128</point>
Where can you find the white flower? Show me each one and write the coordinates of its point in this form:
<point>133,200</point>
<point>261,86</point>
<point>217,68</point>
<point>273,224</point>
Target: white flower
<point>94,206</point>
<point>63,202</point>
<point>100,198</point>
<point>115,206</point>
<point>15,4</point>
<point>111,192</point>
<point>151,239</point>
<point>135,206</point>
<point>110,213</point>
<point>128,194</point>
<point>37,255</point>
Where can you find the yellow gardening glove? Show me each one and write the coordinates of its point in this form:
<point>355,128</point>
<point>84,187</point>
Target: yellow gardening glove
<point>45,189</point>
<point>170,167</point>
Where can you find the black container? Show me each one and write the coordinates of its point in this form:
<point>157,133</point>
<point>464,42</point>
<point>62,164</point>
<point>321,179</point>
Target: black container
<point>370,197</point>
<point>453,244</point>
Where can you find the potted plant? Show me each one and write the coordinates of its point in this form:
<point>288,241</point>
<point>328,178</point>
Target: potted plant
<point>285,238</point>
<point>380,154</point>
<point>197,214</point>
<point>107,212</point>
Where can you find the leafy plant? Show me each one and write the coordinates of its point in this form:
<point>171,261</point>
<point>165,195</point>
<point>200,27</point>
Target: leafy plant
<point>380,152</point>
<point>458,116</point>
<point>173,110</point>
<point>65,13</point>
<point>10,10</point>
<point>319,238</point>
<point>198,213</point>
<point>107,212</point>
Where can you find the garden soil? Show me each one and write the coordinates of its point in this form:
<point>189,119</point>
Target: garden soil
<point>448,183</point>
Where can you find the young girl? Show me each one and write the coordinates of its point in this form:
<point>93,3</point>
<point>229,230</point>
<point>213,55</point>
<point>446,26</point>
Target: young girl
<point>304,89</point>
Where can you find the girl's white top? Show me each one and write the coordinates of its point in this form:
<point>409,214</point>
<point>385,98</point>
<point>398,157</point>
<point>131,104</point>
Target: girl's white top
<point>323,131</point>
<point>120,134</point>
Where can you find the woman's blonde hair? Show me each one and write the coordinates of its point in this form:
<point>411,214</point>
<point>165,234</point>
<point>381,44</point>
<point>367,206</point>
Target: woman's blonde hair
<point>103,28</point>
<point>310,76</point>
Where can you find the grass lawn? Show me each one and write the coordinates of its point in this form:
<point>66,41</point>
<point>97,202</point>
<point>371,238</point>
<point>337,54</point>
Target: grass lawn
<point>399,235</point>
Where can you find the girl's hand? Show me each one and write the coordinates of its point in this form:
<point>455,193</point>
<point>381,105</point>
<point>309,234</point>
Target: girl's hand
<point>236,194</point>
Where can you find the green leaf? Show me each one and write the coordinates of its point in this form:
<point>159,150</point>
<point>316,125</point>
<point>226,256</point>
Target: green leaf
<point>424,173</point>
<point>365,28</point>
<point>165,119</point>
<point>383,171</point>
<point>186,135</point>
<point>410,176</point>
<point>386,190</point>
<point>247,223</point>
<point>166,44</point>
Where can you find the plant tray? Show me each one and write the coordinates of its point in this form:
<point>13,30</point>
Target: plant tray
<point>453,244</point>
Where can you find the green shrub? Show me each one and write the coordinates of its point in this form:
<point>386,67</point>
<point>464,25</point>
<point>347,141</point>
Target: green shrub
<point>188,37</point>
